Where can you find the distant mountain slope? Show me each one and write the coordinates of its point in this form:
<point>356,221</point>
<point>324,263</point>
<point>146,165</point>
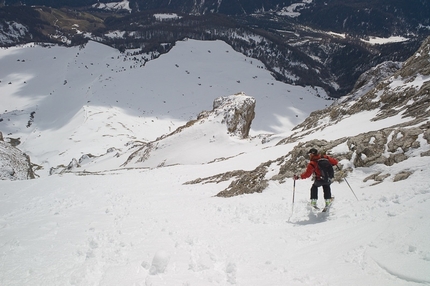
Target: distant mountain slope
<point>362,16</point>
<point>305,43</point>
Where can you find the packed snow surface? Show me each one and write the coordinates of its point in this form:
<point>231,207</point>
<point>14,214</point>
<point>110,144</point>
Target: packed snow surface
<point>144,226</point>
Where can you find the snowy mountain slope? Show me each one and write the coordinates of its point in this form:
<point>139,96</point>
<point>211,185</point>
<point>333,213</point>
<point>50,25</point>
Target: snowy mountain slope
<point>211,128</point>
<point>145,226</point>
<point>78,94</point>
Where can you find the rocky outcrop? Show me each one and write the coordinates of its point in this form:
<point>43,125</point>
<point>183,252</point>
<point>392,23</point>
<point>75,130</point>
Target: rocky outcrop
<point>14,164</point>
<point>237,112</point>
<point>370,79</point>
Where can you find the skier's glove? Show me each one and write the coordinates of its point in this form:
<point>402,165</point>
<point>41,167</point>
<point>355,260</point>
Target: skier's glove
<point>296,177</point>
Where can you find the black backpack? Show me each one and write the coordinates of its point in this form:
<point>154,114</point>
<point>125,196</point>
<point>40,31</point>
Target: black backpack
<point>326,169</point>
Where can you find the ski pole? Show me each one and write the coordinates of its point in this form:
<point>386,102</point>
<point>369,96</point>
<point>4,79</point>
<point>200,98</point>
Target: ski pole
<point>350,188</point>
<point>292,206</point>
<point>294,190</point>
<point>348,184</point>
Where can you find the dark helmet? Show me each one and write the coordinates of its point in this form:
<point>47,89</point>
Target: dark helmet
<point>313,151</point>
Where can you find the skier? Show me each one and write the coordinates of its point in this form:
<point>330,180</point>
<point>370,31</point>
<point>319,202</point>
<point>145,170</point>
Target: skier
<point>313,168</point>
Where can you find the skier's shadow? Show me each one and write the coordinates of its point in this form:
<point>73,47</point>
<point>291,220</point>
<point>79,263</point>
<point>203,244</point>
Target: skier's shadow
<point>313,218</point>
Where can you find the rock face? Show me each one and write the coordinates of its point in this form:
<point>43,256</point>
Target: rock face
<point>14,164</point>
<point>237,112</point>
<point>370,79</point>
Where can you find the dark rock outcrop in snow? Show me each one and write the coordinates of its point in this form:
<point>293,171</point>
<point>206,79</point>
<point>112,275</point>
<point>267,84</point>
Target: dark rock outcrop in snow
<point>237,112</point>
<point>14,164</point>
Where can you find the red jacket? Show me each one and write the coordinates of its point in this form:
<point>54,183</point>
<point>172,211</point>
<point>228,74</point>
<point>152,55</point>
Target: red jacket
<point>313,166</point>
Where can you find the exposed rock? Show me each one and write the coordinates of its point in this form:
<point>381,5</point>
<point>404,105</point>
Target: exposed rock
<point>377,177</point>
<point>73,164</point>
<point>14,164</point>
<point>249,183</point>
<point>402,176</point>
<point>216,178</point>
<point>370,79</point>
<point>238,111</point>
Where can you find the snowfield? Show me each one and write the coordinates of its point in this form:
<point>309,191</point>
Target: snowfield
<point>109,225</point>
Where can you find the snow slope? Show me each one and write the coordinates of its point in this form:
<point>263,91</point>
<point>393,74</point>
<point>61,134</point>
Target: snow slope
<point>83,95</point>
<point>144,226</point>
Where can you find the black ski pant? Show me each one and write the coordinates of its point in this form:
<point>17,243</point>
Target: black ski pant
<point>326,189</point>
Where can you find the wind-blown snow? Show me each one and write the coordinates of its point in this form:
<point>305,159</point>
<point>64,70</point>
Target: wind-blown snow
<point>144,226</point>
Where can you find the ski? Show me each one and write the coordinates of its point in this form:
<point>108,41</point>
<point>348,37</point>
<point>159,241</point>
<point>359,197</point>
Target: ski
<point>327,208</point>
